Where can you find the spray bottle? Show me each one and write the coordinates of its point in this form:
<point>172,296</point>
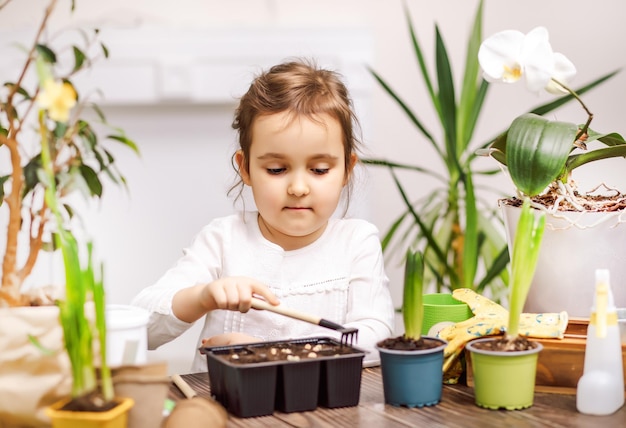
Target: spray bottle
<point>600,390</point>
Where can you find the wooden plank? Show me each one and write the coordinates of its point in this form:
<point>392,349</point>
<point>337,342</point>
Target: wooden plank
<point>457,409</point>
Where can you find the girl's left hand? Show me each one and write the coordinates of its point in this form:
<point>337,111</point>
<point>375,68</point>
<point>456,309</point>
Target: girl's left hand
<point>229,339</point>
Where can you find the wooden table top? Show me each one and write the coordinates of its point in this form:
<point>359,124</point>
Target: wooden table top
<point>456,409</point>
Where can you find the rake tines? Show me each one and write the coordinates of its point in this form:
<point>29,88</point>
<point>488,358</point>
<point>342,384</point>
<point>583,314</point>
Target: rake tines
<point>349,335</point>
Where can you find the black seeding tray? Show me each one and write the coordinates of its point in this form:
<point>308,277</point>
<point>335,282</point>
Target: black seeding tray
<point>290,375</point>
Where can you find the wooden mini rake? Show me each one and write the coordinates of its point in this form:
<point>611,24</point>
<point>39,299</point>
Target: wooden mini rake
<point>348,334</point>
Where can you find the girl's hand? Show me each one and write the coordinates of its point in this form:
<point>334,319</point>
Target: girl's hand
<point>229,339</point>
<point>234,293</point>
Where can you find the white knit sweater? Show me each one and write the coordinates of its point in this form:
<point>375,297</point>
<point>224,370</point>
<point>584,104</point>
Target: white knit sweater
<point>339,277</point>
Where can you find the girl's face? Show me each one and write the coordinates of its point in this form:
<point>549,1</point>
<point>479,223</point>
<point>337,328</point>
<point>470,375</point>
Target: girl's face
<point>296,172</point>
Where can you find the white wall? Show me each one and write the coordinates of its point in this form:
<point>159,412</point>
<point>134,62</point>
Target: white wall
<point>180,181</point>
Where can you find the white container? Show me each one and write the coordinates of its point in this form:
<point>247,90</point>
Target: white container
<point>600,390</point>
<point>621,320</point>
<point>127,335</point>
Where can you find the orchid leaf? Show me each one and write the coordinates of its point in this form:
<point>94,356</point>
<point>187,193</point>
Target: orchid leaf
<point>537,150</point>
<point>616,147</point>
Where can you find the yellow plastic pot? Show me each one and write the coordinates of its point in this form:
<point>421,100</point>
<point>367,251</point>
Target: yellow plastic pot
<point>117,417</point>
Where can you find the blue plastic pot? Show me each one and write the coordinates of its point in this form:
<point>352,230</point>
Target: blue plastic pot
<point>413,378</point>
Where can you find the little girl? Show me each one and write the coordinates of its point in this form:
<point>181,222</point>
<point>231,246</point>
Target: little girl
<point>297,153</point>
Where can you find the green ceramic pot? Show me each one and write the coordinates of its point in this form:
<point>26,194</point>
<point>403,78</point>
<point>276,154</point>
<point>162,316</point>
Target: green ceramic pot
<point>503,380</point>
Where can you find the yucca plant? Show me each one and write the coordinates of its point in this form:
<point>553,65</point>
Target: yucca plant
<point>457,231</point>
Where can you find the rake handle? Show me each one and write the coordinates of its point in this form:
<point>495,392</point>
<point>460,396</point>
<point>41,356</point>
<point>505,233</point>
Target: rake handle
<point>288,312</point>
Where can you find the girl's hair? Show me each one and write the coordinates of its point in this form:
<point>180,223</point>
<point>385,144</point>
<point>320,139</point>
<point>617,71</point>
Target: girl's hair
<point>300,88</point>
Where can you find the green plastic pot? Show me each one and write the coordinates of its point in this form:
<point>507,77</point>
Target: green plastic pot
<point>442,310</point>
<point>503,380</point>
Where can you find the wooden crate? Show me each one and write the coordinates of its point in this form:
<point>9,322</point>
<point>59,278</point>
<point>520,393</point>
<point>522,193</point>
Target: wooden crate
<point>560,364</point>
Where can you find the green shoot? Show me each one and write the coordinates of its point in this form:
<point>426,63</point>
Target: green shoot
<point>80,287</point>
<point>526,248</point>
<point>412,304</point>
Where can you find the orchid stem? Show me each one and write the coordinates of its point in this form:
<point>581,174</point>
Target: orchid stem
<point>589,114</point>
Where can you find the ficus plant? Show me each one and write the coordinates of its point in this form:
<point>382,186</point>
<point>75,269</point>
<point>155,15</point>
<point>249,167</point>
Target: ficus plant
<point>458,232</point>
<point>73,126</point>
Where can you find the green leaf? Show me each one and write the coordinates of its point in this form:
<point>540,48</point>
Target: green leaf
<point>472,95</point>
<point>412,307</point>
<point>499,142</point>
<point>421,61</point>
<point>31,175</point>
<point>577,160</point>
<point>405,108</point>
<point>526,246</point>
<point>126,141</point>
<point>537,150</point>
<point>79,58</point>
<point>500,263</point>
<point>105,50</point>
<point>3,180</point>
<point>447,100</point>
<point>470,241</point>
<point>86,133</point>
<point>92,180</point>
<point>19,90</point>
<point>46,53</point>
<point>426,231</point>
<point>35,342</point>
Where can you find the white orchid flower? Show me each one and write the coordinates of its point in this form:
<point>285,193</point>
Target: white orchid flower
<point>509,56</point>
<point>564,71</point>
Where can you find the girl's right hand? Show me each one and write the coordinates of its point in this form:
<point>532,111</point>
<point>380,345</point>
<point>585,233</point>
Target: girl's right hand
<point>234,293</point>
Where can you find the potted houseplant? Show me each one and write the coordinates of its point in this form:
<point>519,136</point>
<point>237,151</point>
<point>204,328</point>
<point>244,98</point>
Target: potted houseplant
<point>33,346</point>
<point>504,368</point>
<point>540,156</point>
<point>412,364</point>
<point>456,229</point>
<point>92,402</point>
